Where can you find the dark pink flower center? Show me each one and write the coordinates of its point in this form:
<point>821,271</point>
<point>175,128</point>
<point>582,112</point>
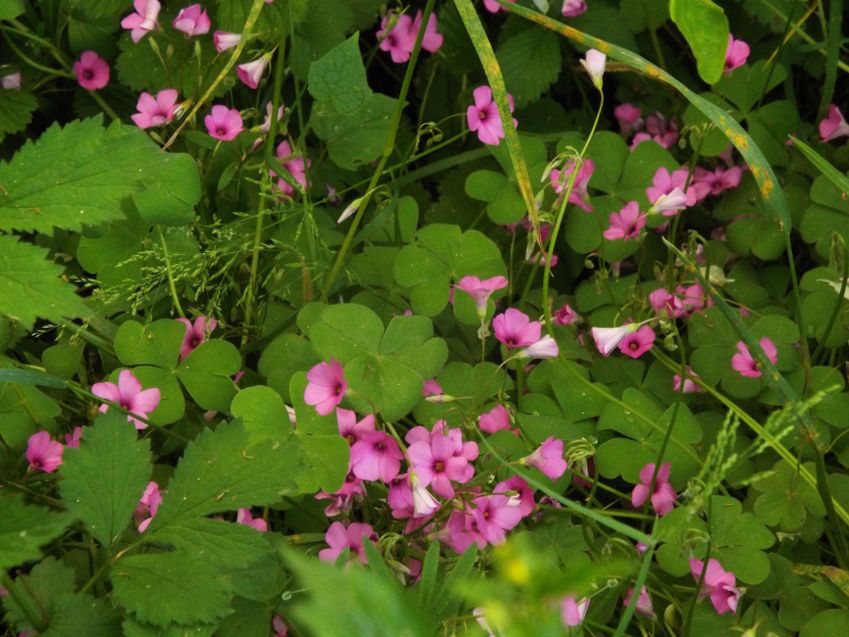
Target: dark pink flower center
<point>221,131</point>
<point>439,466</point>
<point>88,74</point>
<point>483,114</point>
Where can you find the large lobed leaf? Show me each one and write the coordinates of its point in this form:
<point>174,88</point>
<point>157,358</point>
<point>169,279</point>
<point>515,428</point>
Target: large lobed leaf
<point>24,528</point>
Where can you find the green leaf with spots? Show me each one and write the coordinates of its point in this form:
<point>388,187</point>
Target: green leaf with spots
<point>705,28</point>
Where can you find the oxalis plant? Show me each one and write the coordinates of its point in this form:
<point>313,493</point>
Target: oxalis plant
<point>355,317</point>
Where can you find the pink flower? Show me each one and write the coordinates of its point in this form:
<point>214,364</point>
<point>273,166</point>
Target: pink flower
<point>663,497</point>
<point>432,39</point>
<point>424,504</point>
<point>594,62</point>
<point>223,123</point>
<point>579,195</point>
<point>573,8</point>
<point>339,538</point>
<point>251,72</point>
<point>659,131</point>
<point>326,386</point>
<point>495,419</point>
<point>196,334</point>
<point>439,461</point>
<point>147,506</point>
<point>342,500</point>
<point>243,516</point>
<point>544,348</point>
<point>834,125</point>
<point>672,186</point>
<point>431,388</point>
<point>481,290</point>
<point>193,20</point>
<point>296,167</point>
<point>565,315</point>
<point>573,611</point>
<point>663,303</point>
<point>608,338</point>
<point>92,71</point>
<point>143,20</point>
<point>72,440</point>
<point>745,364</point>
<point>462,532</point>
<point>515,329</point>
<point>690,385</point>
<point>128,393</point>
<point>277,624</point>
<point>376,456</point>
<point>494,515</point>
<point>718,583</point>
<point>155,111</point>
<point>644,605</point>
<point>224,40</point>
<point>630,118</point>
<point>548,458</point>
<point>736,55</point>
<point>718,180</point>
<point>44,453</point>
<point>492,6</point>
<point>627,223</point>
<point>349,428</point>
<point>483,117</point>
<point>637,343</point>
<point>691,298</point>
<point>11,82</point>
<point>521,495</point>
<point>399,42</point>
<point>265,127</point>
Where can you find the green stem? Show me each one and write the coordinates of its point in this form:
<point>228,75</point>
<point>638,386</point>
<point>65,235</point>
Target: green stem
<point>171,284</point>
<point>388,148</point>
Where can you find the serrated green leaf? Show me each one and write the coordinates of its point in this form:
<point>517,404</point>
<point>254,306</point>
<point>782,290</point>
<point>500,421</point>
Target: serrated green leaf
<point>46,583</point>
<point>224,544</point>
<point>530,61</point>
<point>24,528</point>
<point>30,285</point>
<point>161,588</point>
<point>16,108</point>
<point>75,615</point>
<point>705,28</point>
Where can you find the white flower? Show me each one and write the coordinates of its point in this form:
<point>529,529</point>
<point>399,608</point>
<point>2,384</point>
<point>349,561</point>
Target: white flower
<point>594,62</point>
<point>607,338</point>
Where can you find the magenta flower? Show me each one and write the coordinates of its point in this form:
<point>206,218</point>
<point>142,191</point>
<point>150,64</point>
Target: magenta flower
<point>637,343</point>
<point>243,516</point>
<point>520,493</point>
<point>128,393</point>
<point>515,329</point>
<point>72,440</point>
<point>155,111</point>
<point>718,583</point>
<point>44,453</point>
<point>277,624</point>
<point>398,42</point>
<point>667,191</point>
<point>644,605</point>
<point>663,303</point>
<point>630,118</point>
<point>579,195</point>
<point>193,20</point>
<point>92,71</point>
<point>663,497</point>
<point>483,117</point>
<point>376,456</point>
<point>745,364</point>
<point>349,428</point>
<point>658,130</point>
<point>834,125</point>
<point>431,388</point>
<point>223,40</point>
<point>339,538</point>
<point>495,419</point>
<point>439,461</point>
<point>432,39</point>
<point>223,123</point>
<point>147,506</point>
<point>736,55</point>
<point>251,72</point>
<point>627,223</point>
<point>548,458</point>
<point>196,333</point>
<point>719,179</point>
<point>11,82</point>
<point>565,315</point>
<point>494,515</point>
<point>608,338</point>
<point>544,348</point>
<point>481,290</point>
<point>143,20</point>
<point>326,386</point>
<point>492,6</point>
<point>691,298</point>
<point>296,166</point>
<point>690,385</point>
<point>462,532</point>
<point>573,611</point>
<point>573,8</point>
<point>342,500</point>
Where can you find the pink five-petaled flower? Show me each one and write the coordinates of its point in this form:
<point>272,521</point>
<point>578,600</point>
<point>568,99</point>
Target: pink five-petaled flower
<point>243,516</point>
<point>608,338</point>
<point>143,20</point>
<point>481,290</point>
<point>718,583</point>
<point>296,167</point>
<point>223,40</point>
<point>719,179</point>
<point>658,130</point>
<point>630,117</point>
<point>579,195</point>
<point>690,385</point>
<point>155,111</point>
<point>736,55</point>
<point>431,388</point>
<point>277,624</point>
<point>637,343</point>
<point>147,506</point>
<point>223,123</point>
<point>92,71</point>
<point>492,6</point>
<point>663,497</point>
<point>627,223</point>
<point>565,315</point>
<point>834,125</point>
<point>44,453</point>
<point>548,458</point>
<point>519,492</point>
<point>594,62</point>
<point>400,40</point>
<point>193,20</point>
<point>668,187</point>
<point>495,419</point>
<point>325,387</point>
<point>573,611</point>
<point>128,393</point>
<point>432,39</point>
<point>436,463</point>
<point>251,72</point>
<point>644,605</point>
<point>483,118</point>
<point>376,456</point>
<point>515,329</point>
<point>573,8</point>
<point>353,537</point>
<point>72,440</point>
<point>494,515</point>
<point>546,347</point>
<point>196,333</point>
<point>745,364</point>
<point>349,428</point>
